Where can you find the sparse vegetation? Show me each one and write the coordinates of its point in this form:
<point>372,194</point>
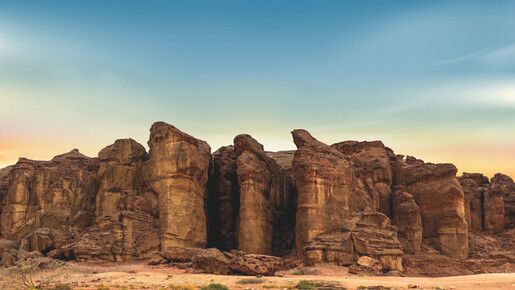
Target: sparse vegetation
<point>305,285</point>
<point>251,281</point>
<point>103,287</point>
<point>60,286</point>
<point>298,272</point>
<point>215,286</point>
<point>182,287</point>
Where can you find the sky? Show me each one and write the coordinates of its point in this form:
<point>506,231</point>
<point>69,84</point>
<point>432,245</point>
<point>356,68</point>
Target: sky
<point>432,79</point>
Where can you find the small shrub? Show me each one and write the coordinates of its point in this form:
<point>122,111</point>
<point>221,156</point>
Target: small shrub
<point>60,286</point>
<point>102,287</point>
<point>251,281</point>
<point>215,286</point>
<point>305,285</point>
<point>182,287</point>
<point>298,272</point>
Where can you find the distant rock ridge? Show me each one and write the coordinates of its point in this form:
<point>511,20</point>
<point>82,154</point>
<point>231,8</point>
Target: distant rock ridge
<point>345,204</point>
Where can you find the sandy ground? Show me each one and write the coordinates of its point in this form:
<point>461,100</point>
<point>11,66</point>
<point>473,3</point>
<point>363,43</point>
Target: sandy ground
<point>140,276</point>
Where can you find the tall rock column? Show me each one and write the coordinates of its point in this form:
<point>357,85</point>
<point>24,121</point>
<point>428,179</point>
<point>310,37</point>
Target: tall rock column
<point>328,189</point>
<point>265,194</point>
<point>251,200</point>
<point>177,171</point>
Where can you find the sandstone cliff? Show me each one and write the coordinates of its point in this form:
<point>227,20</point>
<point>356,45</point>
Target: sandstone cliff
<point>177,171</point>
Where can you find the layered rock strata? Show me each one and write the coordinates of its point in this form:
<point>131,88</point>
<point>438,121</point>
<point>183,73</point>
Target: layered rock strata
<point>328,190</point>
<point>177,171</point>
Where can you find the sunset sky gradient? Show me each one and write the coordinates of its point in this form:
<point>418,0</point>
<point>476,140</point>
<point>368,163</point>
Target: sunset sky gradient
<point>433,79</point>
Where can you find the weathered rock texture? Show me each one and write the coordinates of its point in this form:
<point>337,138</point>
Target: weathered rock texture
<point>253,200</point>
<point>505,184</point>
<point>177,171</point>
<point>474,186</point>
<point>407,218</point>
<point>333,203</point>
<point>57,194</point>
<point>442,205</point>
<point>124,228</point>
<point>372,165</point>
<point>328,190</point>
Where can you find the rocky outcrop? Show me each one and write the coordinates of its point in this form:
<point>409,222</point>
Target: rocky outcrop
<point>56,194</point>
<point>474,186</point>
<point>253,200</point>
<point>367,234</point>
<point>407,218</point>
<point>177,171</point>
<point>328,189</point>
<point>372,165</point>
<point>441,200</point>
<point>336,249</point>
<point>254,265</point>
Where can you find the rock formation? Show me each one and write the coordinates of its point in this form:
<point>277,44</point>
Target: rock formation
<point>328,190</point>
<point>353,203</point>
<point>474,186</point>
<point>441,200</point>
<point>57,194</point>
<point>253,199</point>
<point>177,171</point>
<point>407,218</point>
<point>372,165</point>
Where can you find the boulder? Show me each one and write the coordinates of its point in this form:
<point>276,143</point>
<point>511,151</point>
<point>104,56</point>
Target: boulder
<point>211,261</point>
<point>368,262</point>
<point>252,264</point>
<point>374,236</point>
<point>180,254</point>
<point>328,189</point>
<point>177,171</point>
<point>336,249</point>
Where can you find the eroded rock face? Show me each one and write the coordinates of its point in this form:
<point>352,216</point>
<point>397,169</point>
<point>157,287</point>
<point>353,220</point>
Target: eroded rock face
<point>407,218</point>
<point>441,200</point>
<point>56,194</point>
<point>177,171</point>
<point>372,165</point>
<point>253,200</point>
<point>328,189</point>
<point>505,184</point>
<point>493,205</point>
<point>474,186</point>
<point>367,234</point>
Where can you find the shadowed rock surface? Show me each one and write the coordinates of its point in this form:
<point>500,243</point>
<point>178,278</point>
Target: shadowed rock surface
<point>253,200</point>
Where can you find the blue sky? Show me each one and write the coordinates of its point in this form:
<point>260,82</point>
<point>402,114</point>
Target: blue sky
<point>435,79</point>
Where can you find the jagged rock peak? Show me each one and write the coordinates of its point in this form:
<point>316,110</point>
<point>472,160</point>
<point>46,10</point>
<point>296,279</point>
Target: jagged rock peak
<point>74,154</point>
<point>124,151</point>
<point>164,131</point>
